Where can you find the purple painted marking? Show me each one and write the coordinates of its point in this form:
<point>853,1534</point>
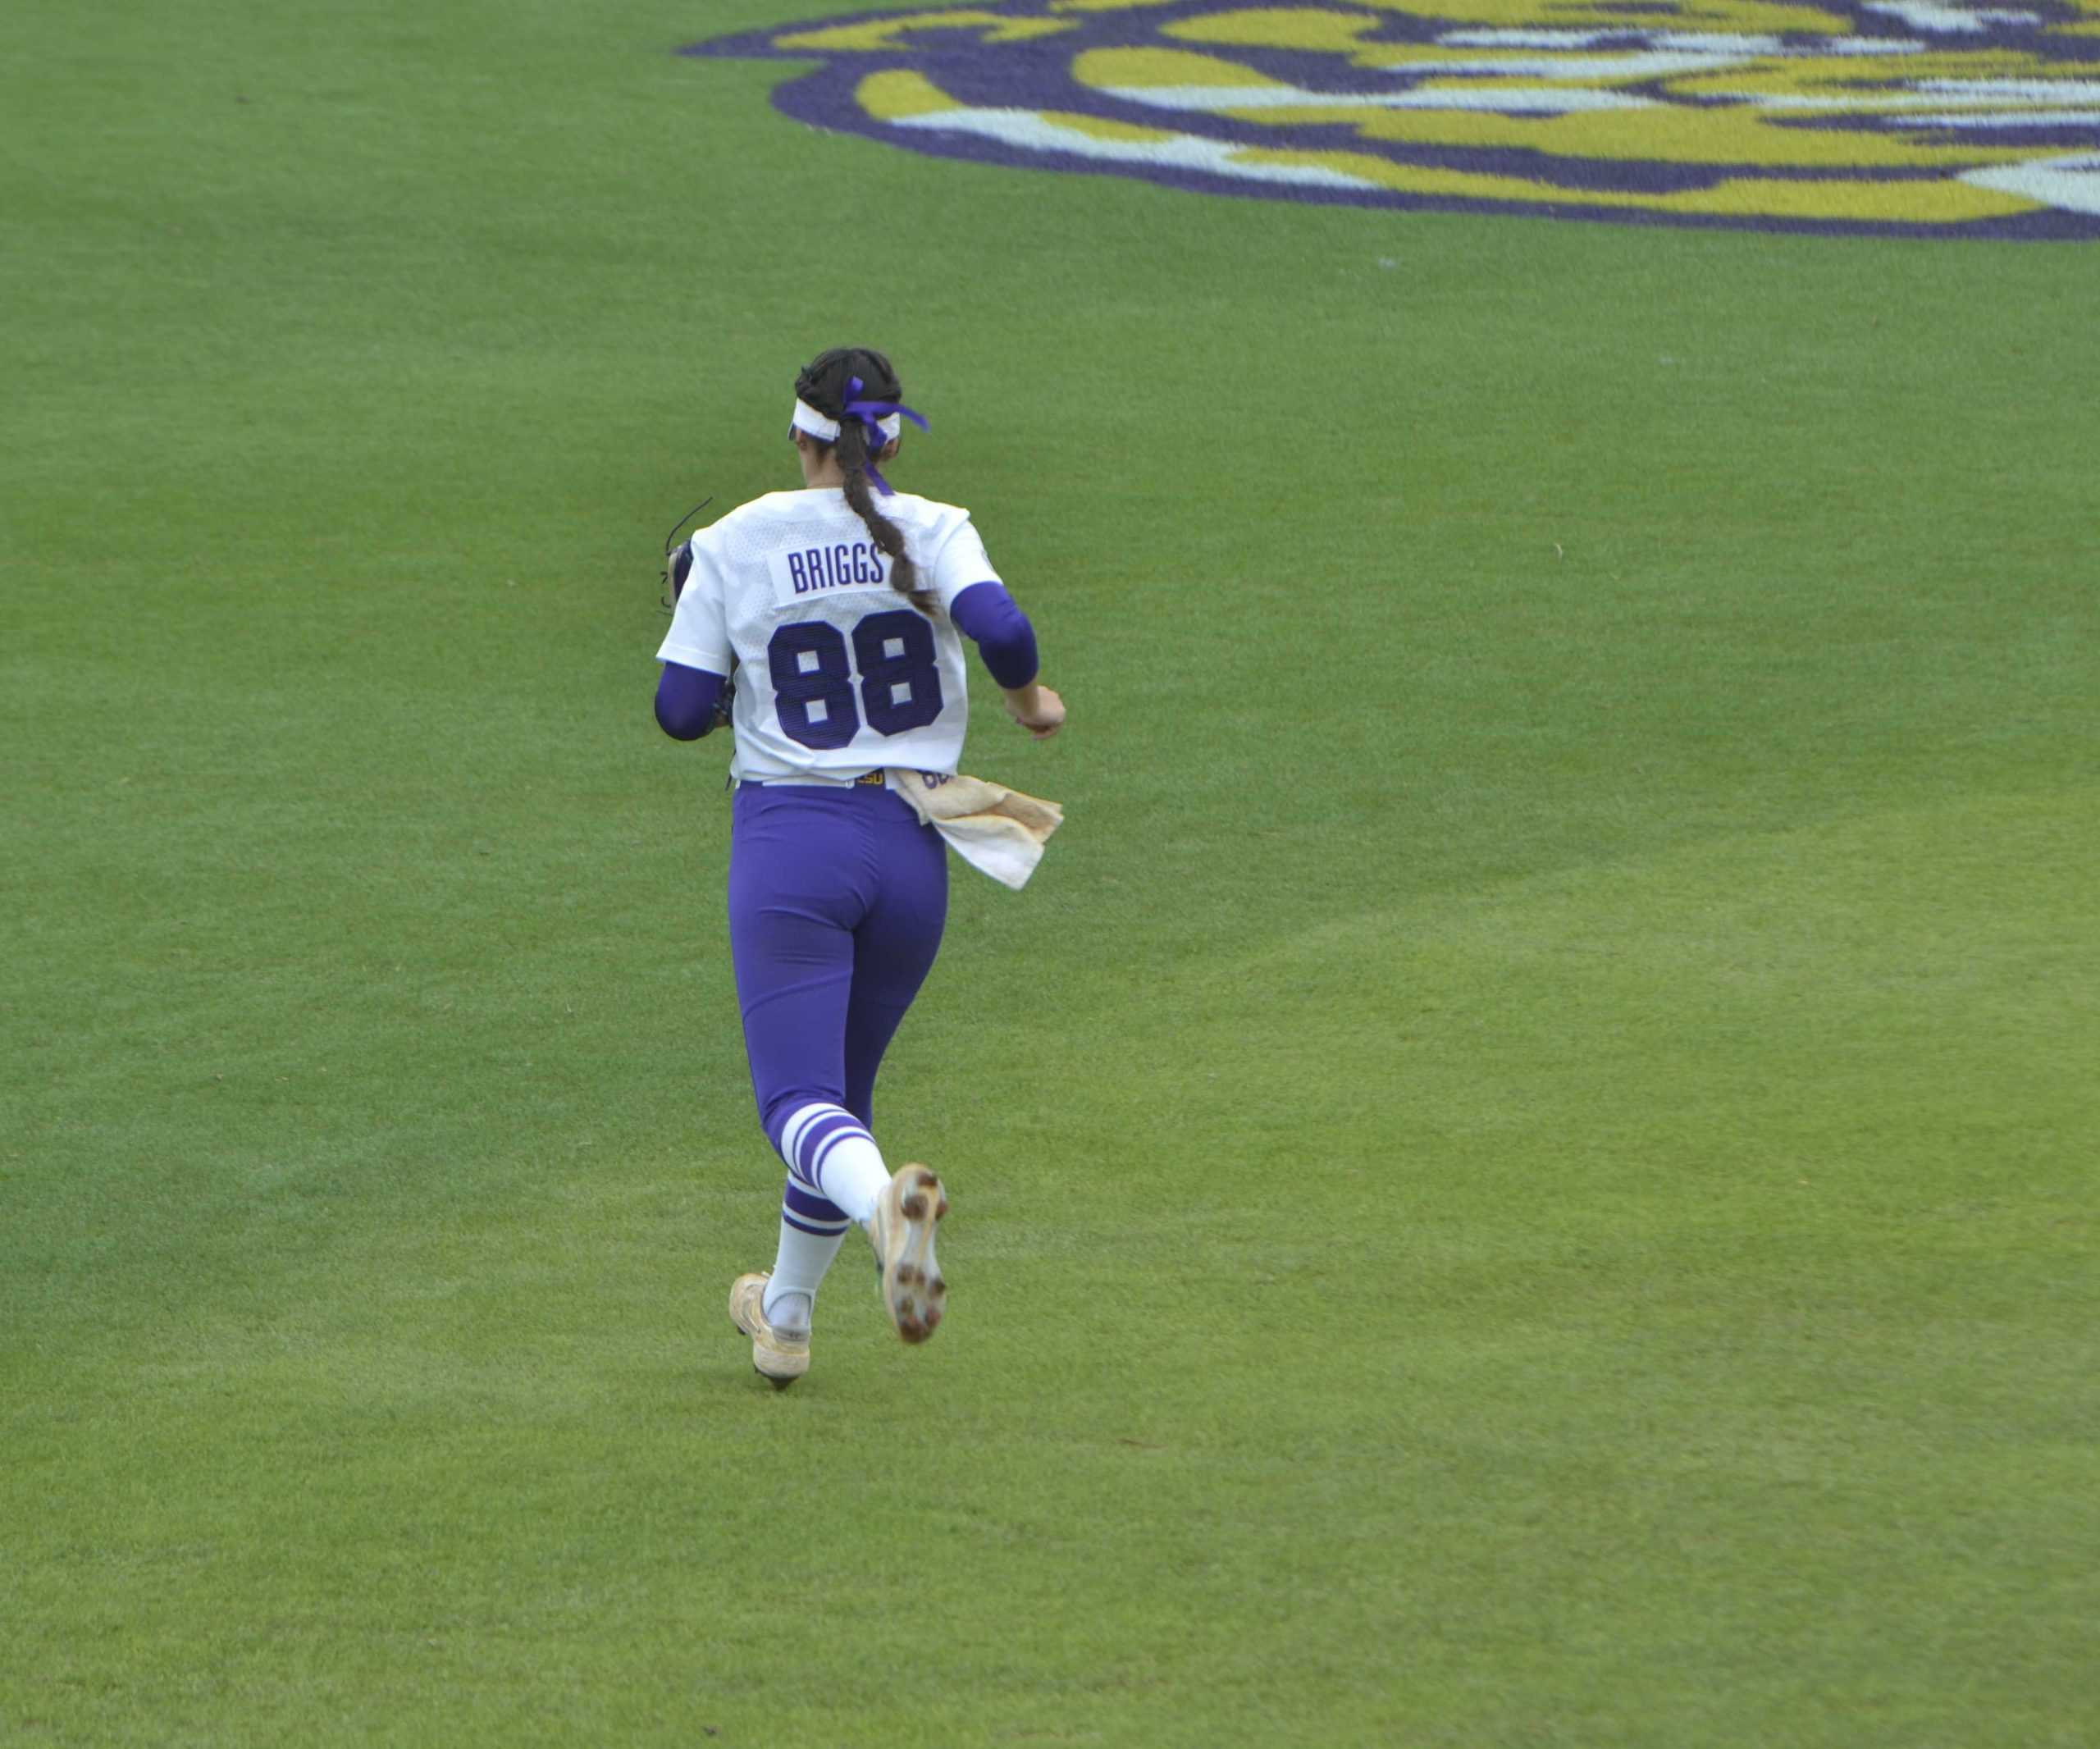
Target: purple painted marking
<point>1033,76</point>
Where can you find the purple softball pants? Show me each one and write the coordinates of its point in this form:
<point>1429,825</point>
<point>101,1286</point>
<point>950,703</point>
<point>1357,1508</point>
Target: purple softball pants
<point>837,900</point>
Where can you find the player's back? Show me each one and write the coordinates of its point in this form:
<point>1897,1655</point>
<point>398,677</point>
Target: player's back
<point>838,673</point>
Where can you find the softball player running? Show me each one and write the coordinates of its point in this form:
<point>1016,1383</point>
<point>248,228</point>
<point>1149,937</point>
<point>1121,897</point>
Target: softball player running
<point>843,606</point>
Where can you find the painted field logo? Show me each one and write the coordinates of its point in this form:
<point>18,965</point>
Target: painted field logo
<point>1890,117</point>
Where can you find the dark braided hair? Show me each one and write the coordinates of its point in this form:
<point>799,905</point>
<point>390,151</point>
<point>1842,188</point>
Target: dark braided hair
<point>823,384</point>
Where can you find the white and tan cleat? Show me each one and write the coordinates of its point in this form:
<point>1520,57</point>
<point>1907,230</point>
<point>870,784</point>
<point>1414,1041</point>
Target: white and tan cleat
<point>906,1213</point>
<point>782,1356</point>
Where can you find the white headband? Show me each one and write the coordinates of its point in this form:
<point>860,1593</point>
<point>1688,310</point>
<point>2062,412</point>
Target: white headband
<point>808,419</point>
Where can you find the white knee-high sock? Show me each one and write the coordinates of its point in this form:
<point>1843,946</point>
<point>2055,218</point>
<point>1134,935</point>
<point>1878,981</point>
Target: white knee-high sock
<point>828,1151</point>
<point>798,1268</point>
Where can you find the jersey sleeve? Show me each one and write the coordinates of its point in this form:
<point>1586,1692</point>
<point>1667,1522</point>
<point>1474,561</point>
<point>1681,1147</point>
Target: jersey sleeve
<point>699,637</point>
<point>959,558</point>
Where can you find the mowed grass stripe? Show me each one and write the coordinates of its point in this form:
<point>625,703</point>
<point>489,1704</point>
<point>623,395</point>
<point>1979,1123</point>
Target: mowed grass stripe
<point>1688,1433</point>
<point>1576,732</point>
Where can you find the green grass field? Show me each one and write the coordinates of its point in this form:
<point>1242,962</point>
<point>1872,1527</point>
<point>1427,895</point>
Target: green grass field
<point>1524,1174</point>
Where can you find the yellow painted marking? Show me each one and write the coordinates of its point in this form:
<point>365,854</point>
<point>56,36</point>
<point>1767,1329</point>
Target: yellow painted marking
<point>1277,27</point>
<point>1935,202</point>
<point>1851,76</point>
<point>1099,129</point>
<point>1137,68</point>
<point>1741,17</point>
<point>1665,136</point>
<point>887,32</point>
<point>899,94</point>
<point>1736,141</point>
<point>1573,67</point>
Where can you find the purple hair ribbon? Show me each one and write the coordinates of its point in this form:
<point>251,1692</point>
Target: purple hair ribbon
<point>870,414</point>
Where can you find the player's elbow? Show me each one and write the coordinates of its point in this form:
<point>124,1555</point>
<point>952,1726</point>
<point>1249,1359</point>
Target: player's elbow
<point>681,725</point>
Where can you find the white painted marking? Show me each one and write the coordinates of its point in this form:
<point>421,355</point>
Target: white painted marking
<point>1900,102</point>
<point>1683,41</point>
<point>1513,100</point>
<point>1866,45</point>
<point>2009,118</point>
<point>1027,131</point>
<point>1949,20</point>
<point>2070,184</point>
<point>1695,41</point>
<point>2025,90</point>
<point>1641,66</point>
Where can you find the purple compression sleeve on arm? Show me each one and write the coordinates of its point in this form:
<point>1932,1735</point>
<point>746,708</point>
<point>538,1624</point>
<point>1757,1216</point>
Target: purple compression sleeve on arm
<point>686,700</point>
<point>985,613</point>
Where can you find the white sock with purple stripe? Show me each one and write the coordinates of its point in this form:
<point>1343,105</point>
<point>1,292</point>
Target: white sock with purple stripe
<point>812,1230</point>
<point>828,1151</point>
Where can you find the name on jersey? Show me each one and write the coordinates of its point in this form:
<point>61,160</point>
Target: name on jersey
<point>817,570</point>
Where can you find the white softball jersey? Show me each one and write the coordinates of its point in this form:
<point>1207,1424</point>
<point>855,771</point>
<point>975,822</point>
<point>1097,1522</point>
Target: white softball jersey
<point>836,672</point>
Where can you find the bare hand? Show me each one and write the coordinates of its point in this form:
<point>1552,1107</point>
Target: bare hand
<point>1038,710</point>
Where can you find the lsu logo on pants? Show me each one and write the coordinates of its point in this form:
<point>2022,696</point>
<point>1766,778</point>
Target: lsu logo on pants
<point>1895,117</point>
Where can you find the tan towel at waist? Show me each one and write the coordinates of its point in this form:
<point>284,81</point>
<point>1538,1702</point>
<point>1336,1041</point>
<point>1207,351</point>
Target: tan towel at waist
<point>993,828</point>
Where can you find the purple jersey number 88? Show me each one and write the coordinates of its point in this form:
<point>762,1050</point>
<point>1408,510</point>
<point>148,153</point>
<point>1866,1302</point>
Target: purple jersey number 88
<point>813,679</point>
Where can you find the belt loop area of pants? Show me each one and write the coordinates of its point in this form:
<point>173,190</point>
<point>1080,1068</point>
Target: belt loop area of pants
<point>878,778</point>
